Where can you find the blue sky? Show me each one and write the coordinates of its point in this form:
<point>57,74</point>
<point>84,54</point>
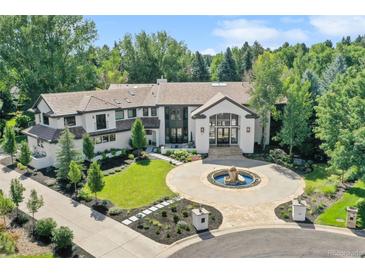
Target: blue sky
<point>211,34</point>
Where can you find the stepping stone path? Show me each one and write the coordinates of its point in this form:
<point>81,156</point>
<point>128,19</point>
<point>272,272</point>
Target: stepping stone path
<point>166,158</point>
<point>145,212</point>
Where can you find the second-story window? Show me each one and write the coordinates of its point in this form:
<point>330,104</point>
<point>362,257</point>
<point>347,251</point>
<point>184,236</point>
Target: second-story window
<point>132,113</point>
<point>70,121</point>
<point>100,121</point>
<point>145,111</point>
<point>45,119</point>
<point>119,115</point>
<point>153,111</point>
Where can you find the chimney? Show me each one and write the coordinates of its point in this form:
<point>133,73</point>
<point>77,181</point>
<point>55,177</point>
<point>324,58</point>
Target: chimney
<point>161,80</point>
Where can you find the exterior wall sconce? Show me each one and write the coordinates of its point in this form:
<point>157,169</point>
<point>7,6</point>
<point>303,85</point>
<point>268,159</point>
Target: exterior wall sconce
<point>248,129</point>
<point>202,129</point>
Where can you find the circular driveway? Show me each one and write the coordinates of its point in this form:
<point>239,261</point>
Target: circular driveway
<point>240,207</point>
<point>276,242</point>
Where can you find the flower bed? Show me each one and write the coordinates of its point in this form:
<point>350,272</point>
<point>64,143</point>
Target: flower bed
<point>183,155</point>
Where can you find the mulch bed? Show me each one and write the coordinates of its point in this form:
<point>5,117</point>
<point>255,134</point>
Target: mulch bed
<point>166,230</point>
<point>316,204</point>
<point>28,244</point>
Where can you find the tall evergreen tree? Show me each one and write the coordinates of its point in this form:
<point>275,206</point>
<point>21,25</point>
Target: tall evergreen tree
<point>337,67</point>
<point>227,70</point>
<point>25,154</point>
<point>139,140</point>
<point>88,147</point>
<point>199,69</point>
<point>9,142</point>
<point>65,154</point>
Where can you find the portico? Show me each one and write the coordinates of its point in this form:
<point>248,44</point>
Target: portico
<point>223,122</point>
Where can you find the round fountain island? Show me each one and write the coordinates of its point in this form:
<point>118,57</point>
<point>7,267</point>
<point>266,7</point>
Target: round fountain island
<point>233,178</point>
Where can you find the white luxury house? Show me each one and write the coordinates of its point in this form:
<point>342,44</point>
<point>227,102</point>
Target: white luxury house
<point>202,115</point>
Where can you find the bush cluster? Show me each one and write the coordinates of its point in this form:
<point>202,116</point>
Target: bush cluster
<point>183,155</point>
<point>115,210</point>
<point>280,157</point>
<point>7,243</point>
<point>44,228</point>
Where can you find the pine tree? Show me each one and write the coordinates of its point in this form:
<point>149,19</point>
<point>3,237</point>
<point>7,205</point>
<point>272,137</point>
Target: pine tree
<point>66,154</point>
<point>9,143</point>
<point>25,154</point>
<point>247,61</point>
<point>139,140</point>
<point>200,72</point>
<point>337,67</point>
<point>95,180</point>
<point>227,70</point>
<point>16,193</point>
<point>75,173</point>
<point>88,147</point>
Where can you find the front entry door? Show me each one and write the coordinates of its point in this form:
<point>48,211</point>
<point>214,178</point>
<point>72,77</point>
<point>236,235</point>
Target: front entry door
<point>222,136</point>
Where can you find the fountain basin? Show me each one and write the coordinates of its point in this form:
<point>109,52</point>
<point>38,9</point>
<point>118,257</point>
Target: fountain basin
<point>245,178</point>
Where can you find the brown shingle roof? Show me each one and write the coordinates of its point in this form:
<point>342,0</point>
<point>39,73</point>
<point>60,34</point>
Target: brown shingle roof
<point>130,96</point>
<point>52,134</point>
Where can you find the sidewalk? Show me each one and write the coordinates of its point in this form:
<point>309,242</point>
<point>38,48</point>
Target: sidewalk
<point>99,235</point>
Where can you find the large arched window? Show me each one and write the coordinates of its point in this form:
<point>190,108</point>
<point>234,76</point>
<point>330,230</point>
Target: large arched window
<point>224,129</point>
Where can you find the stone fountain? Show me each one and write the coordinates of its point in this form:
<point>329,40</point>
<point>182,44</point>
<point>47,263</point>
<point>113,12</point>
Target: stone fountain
<point>233,177</point>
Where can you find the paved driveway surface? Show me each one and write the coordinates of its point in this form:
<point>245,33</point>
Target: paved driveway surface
<point>240,207</point>
<point>276,242</point>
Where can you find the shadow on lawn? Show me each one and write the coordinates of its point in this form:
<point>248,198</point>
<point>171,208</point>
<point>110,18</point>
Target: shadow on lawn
<point>145,162</point>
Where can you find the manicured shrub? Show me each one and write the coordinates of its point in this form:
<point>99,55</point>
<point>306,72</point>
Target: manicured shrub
<point>21,166</point>
<point>45,227</point>
<point>131,156</point>
<point>115,210</point>
<point>182,225</point>
<point>62,237</point>
<point>309,189</point>
<point>173,208</point>
<point>176,219</point>
<point>85,196</point>
<point>280,157</point>
<point>7,244</point>
<point>163,213</point>
<point>144,155</point>
<point>185,214</point>
<point>22,121</point>
<point>21,219</point>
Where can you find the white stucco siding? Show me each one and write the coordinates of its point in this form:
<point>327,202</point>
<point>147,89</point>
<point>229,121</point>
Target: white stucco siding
<point>121,141</point>
<point>245,139</point>
<point>90,120</point>
<point>161,116</point>
<point>43,107</point>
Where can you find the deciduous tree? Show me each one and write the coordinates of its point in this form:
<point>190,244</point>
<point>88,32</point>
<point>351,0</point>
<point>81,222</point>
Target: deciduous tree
<point>9,142</point>
<point>34,203</point>
<point>16,193</point>
<point>95,180</point>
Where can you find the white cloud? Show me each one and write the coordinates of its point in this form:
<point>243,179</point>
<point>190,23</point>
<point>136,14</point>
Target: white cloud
<point>339,25</point>
<point>209,51</point>
<point>236,32</point>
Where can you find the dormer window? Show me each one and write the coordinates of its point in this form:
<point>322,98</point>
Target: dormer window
<point>45,119</point>
<point>70,121</point>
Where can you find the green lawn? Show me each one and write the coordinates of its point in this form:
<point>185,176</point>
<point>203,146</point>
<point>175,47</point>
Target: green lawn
<point>318,181</point>
<point>42,255</point>
<point>140,184</point>
<point>337,211</point>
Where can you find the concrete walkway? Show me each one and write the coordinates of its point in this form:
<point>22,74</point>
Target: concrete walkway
<point>240,207</point>
<point>99,235</point>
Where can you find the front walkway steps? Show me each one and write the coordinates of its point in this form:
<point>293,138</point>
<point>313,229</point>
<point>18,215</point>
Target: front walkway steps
<point>166,158</point>
<point>231,152</point>
<point>98,234</point>
<point>148,211</point>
